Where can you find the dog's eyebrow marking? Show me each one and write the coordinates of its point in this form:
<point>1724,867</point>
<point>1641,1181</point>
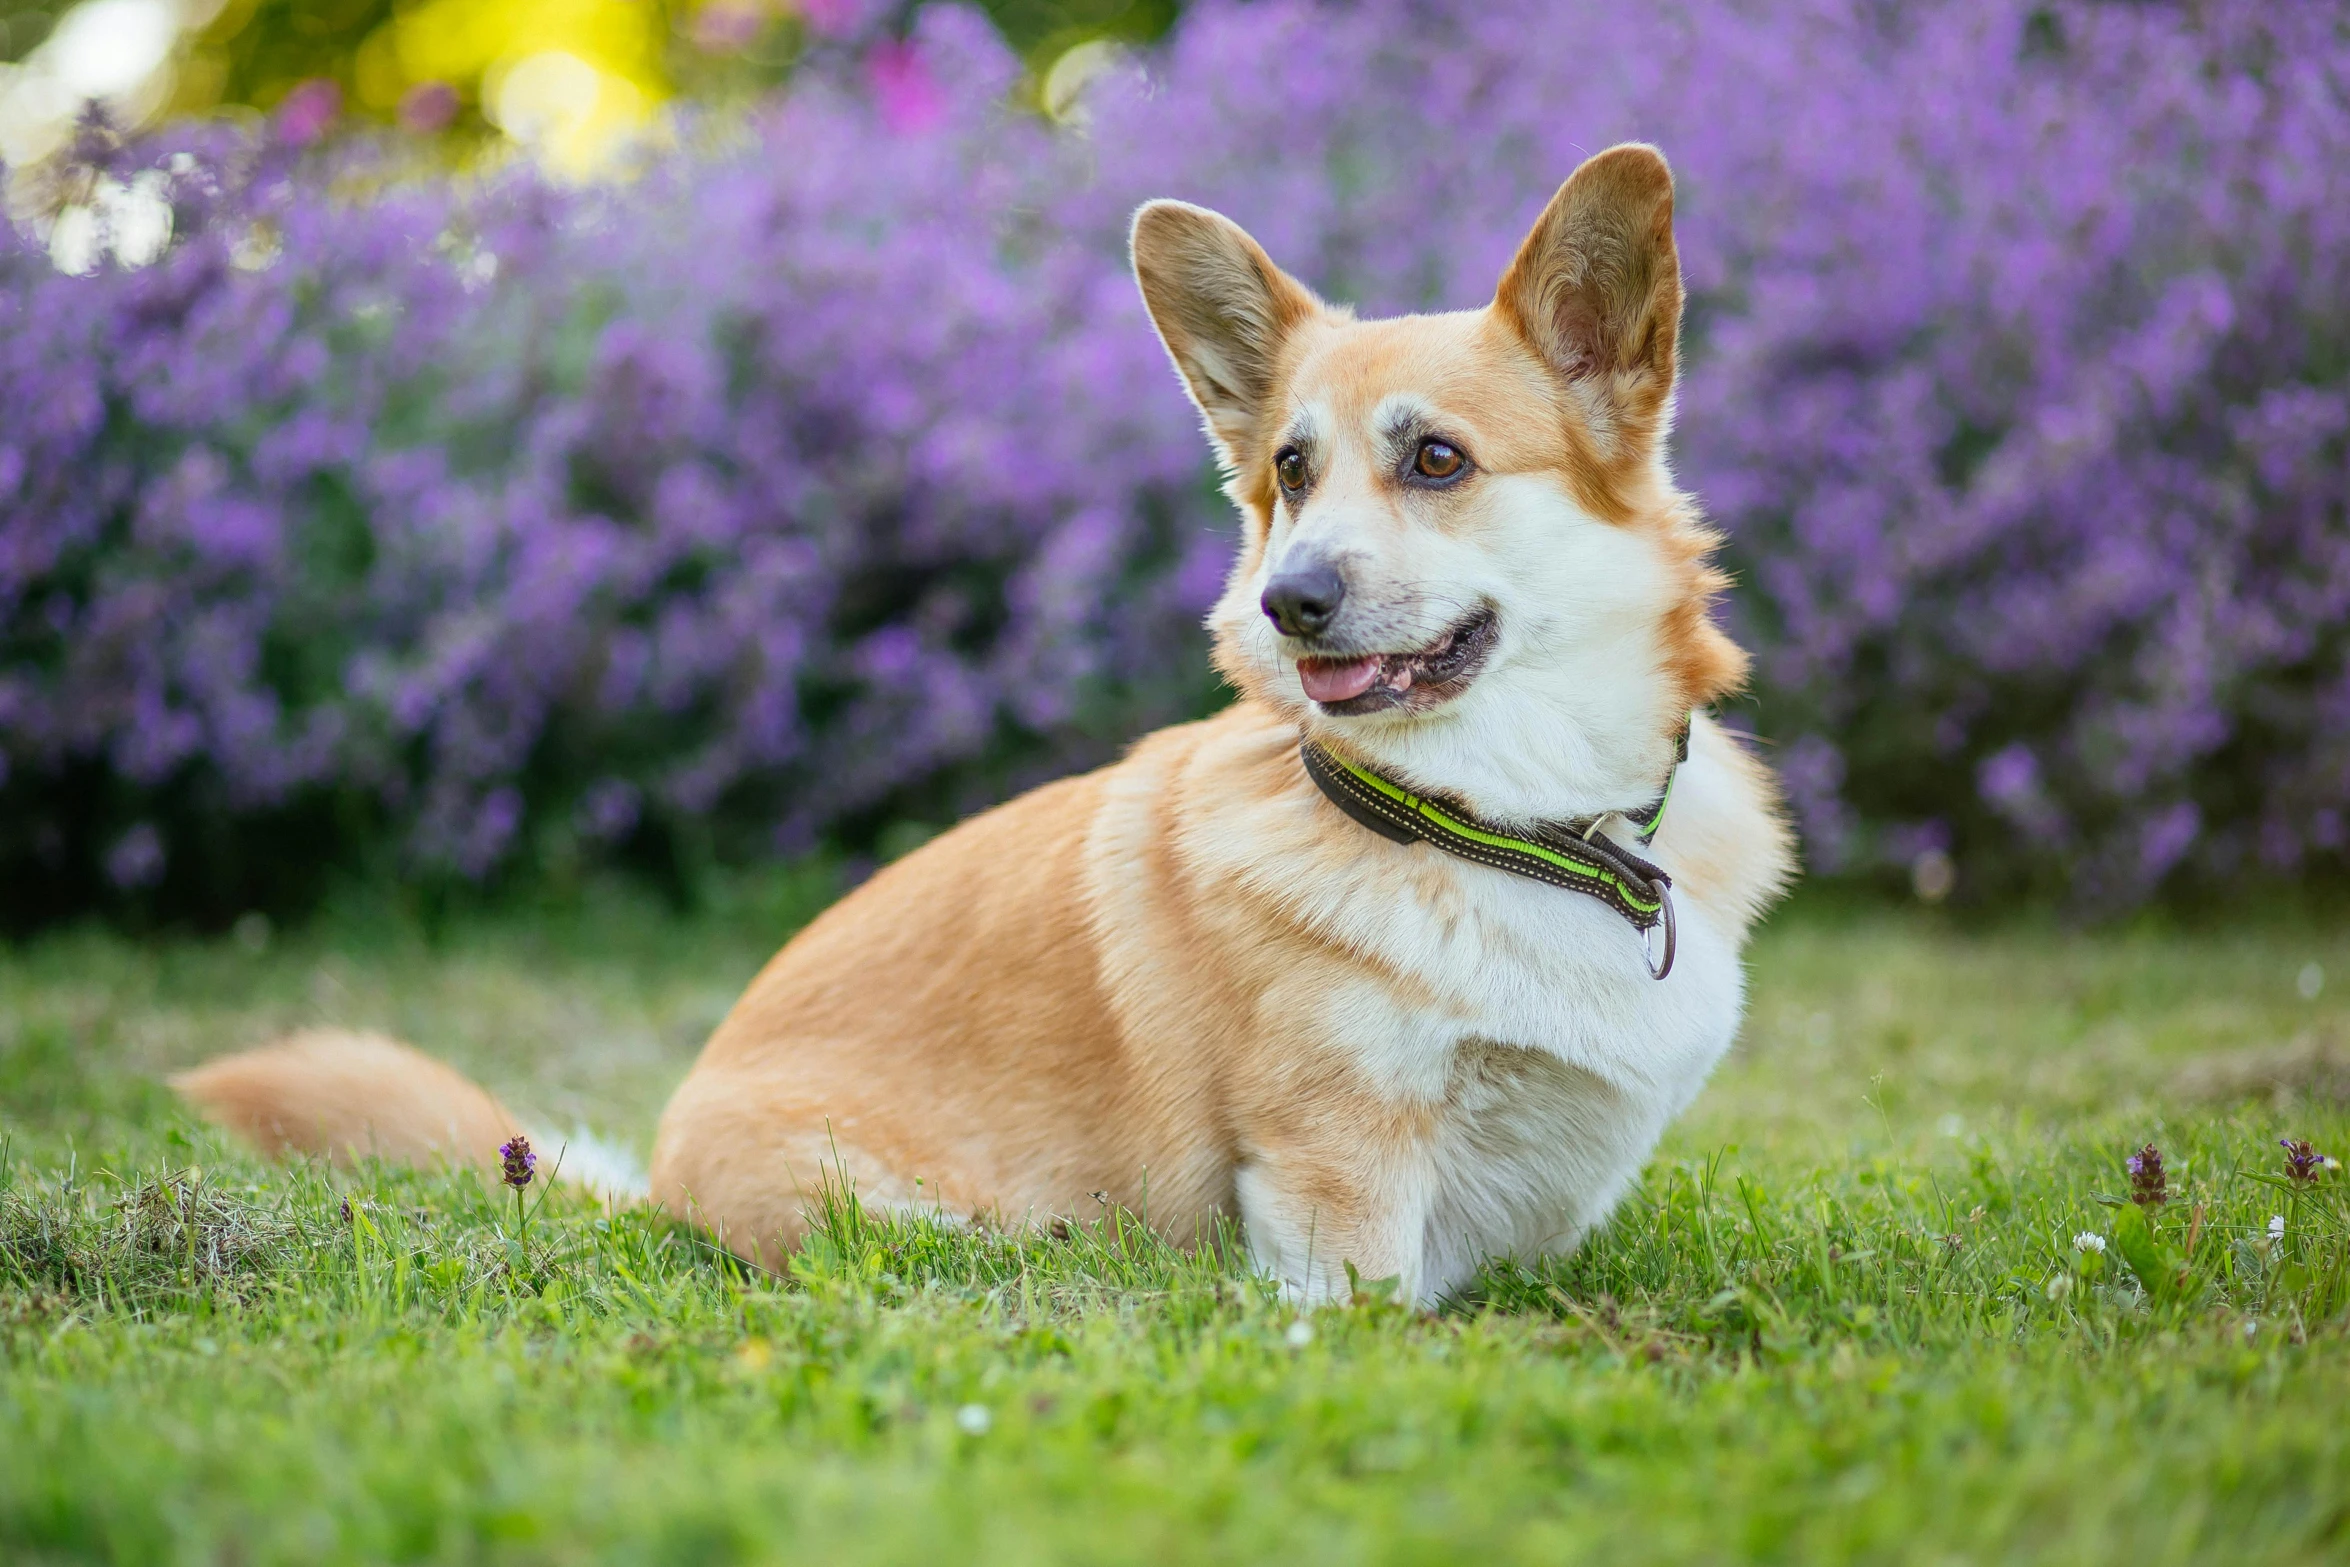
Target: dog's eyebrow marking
<point>1402,413</point>
<point>1403,422</point>
<point>1304,431</point>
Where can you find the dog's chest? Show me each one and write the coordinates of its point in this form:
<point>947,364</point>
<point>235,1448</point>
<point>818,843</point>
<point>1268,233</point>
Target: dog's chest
<point>1517,1025</point>
<point>1526,1154</point>
<point>1476,957</point>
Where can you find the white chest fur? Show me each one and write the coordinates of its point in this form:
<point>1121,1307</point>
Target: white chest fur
<point>1547,1064</point>
<point>1510,1025</point>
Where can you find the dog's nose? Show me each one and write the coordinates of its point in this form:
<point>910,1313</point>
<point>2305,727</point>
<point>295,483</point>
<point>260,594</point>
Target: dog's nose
<point>1303,603</point>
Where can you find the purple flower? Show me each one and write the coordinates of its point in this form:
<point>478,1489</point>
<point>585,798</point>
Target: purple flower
<point>137,859</point>
<point>2302,1162</point>
<point>2148,1186</point>
<point>833,473</point>
<point>518,1161</point>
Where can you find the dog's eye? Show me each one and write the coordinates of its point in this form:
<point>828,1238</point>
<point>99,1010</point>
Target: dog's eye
<point>1290,465</point>
<point>1438,460</point>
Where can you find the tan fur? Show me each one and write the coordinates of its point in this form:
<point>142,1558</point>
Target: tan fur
<point>1595,292</point>
<point>1185,983</point>
<point>349,1095</point>
<point>1231,360</point>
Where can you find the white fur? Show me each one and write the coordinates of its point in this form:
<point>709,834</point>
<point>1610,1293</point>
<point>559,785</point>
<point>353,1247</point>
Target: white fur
<point>1554,1060</point>
<point>604,1168</point>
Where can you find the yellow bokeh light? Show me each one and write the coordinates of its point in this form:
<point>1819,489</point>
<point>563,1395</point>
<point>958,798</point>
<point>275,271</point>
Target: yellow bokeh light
<point>575,81</point>
<point>574,116</point>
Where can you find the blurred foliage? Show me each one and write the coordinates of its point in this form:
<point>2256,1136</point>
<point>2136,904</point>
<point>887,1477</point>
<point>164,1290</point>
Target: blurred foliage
<point>24,23</point>
<point>570,76</point>
<point>1041,29</point>
<point>435,64</point>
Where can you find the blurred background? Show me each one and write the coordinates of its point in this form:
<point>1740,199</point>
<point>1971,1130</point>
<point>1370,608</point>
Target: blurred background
<point>468,445</point>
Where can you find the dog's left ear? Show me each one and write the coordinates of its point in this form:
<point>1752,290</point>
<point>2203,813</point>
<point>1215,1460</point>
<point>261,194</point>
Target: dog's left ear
<point>1595,291</point>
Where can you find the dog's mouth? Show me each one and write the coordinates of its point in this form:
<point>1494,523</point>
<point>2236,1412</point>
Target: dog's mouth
<point>1420,679</point>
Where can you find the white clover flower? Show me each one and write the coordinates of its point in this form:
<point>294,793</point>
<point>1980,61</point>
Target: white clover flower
<point>2276,1226</point>
<point>1300,1334</point>
<point>974,1419</point>
<point>2089,1240</point>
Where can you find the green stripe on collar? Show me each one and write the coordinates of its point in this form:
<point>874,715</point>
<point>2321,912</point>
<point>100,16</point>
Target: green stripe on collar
<point>1571,855</point>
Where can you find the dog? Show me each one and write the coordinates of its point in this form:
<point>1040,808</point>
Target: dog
<point>1393,960</point>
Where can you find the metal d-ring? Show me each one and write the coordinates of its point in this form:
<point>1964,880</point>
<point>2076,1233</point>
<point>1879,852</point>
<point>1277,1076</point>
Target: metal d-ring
<point>1656,970</point>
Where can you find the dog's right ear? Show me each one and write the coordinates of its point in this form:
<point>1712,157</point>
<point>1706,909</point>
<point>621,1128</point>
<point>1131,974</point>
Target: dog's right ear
<point>1223,310</point>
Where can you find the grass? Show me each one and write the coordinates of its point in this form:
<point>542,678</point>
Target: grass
<point>1843,1319</point>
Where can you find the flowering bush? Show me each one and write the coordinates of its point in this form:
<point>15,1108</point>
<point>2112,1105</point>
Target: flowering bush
<point>833,475</point>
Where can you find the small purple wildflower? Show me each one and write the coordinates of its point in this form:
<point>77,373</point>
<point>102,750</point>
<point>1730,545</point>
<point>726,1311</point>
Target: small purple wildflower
<point>2148,1187</point>
<point>137,859</point>
<point>519,1161</point>
<point>2302,1162</point>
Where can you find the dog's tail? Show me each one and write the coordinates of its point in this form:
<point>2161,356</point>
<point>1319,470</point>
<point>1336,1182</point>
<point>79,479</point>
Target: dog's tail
<point>347,1096</point>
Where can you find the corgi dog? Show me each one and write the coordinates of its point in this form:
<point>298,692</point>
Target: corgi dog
<point>1392,961</point>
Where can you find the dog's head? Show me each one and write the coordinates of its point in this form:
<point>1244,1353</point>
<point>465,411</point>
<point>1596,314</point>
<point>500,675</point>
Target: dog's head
<point>1463,556</point>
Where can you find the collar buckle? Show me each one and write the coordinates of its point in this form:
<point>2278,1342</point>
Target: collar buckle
<point>1659,968</point>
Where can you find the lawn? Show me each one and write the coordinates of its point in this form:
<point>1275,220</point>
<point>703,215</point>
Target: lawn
<point>1844,1318</point>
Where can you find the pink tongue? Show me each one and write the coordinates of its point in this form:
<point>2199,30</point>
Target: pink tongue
<point>1328,680</point>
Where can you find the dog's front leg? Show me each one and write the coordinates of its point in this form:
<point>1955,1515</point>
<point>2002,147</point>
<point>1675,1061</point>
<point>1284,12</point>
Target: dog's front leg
<point>1311,1213</point>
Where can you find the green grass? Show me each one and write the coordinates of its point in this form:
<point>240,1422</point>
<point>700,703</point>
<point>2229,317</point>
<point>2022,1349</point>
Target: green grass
<point>1843,1319</point>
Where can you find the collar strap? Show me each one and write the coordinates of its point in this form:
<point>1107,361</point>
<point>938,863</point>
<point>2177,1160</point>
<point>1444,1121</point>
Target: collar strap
<point>1568,854</point>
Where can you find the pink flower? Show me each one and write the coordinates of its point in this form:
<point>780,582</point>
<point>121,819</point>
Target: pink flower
<point>909,96</point>
<point>307,113</point>
<point>428,107</point>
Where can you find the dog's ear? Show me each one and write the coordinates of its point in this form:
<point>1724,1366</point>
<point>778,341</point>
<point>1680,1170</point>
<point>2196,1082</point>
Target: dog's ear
<point>1595,291</point>
<point>1223,310</point>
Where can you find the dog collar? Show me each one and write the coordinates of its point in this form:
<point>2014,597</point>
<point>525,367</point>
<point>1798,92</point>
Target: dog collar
<point>1569,854</point>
